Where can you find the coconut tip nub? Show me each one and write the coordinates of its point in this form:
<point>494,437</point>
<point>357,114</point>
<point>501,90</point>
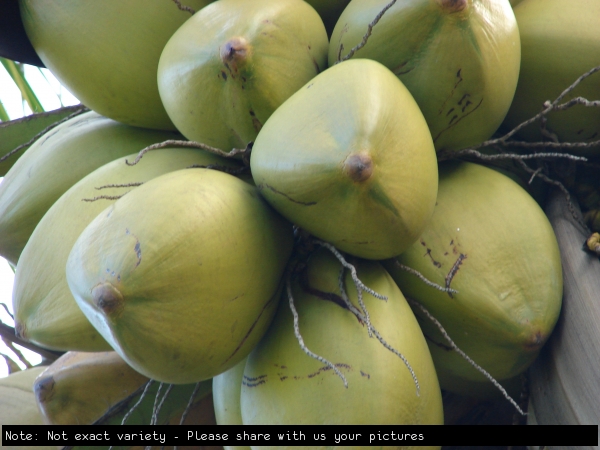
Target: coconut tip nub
<point>107,298</point>
<point>452,6</point>
<point>358,167</point>
<point>235,51</point>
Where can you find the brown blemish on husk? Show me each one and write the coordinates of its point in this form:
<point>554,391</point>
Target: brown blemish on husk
<point>535,341</point>
<point>428,253</point>
<point>453,271</point>
<point>44,389</point>
<point>107,298</point>
<point>254,381</point>
<point>453,6</point>
<point>358,167</point>
<point>234,54</point>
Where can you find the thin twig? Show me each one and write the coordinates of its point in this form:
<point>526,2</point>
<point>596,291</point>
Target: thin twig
<point>184,8</point>
<point>190,403</point>
<point>107,186</point>
<point>556,105</point>
<point>190,144</point>
<point>442,156</point>
<point>16,351</point>
<point>548,107</point>
<point>156,412</point>
<point>7,311</point>
<point>104,197</point>
<point>422,278</point>
<point>9,333</point>
<point>578,101</point>
<point>77,112</point>
<point>359,284</point>
<point>362,318</point>
<point>464,355</point>
<point>559,185</point>
<point>303,346</point>
<point>118,407</point>
<point>365,38</point>
<point>134,407</point>
<point>352,269</point>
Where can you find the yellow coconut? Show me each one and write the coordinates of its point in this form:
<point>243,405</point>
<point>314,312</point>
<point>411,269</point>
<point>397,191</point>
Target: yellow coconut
<point>107,52</point>
<point>181,275</point>
<point>17,404</point>
<point>82,388</point>
<point>490,241</point>
<point>54,163</point>
<point>458,58</point>
<point>227,388</point>
<point>350,159</point>
<point>45,311</point>
<point>282,385</point>
<point>226,70</point>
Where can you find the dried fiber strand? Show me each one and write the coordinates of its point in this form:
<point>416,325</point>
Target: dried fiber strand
<point>190,403</point>
<point>134,407</point>
<point>189,144</point>
<point>423,278</point>
<point>365,38</point>
<point>299,336</point>
<point>360,317</point>
<point>464,355</point>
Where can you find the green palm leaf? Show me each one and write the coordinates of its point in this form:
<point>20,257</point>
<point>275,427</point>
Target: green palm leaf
<point>15,70</point>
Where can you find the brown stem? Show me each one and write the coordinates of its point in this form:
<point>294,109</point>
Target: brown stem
<point>8,332</point>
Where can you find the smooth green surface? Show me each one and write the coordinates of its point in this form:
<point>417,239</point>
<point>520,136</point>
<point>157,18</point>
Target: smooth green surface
<point>357,109</point>
<point>17,403</point>
<point>460,66</point>
<point>225,104</point>
<point>495,246</point>
<point>106,53</point>
<point>55,162</point>
<point>227,388</point>
<point>181,275</point>
<point>45,310</point>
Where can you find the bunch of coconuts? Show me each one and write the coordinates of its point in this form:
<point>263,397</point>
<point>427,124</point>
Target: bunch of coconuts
<point>294,236</point>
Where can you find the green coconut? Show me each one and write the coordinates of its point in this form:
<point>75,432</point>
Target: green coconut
<point>459,59</point>
<point>45,311</point>
<point>18,406</point>
<point>82,388</point>
<point>282,385</point>
<point>226,70</point>
<point>226,389</point>
<point>491,242</point>
<point>181,276</point>
<point>106,53</point>
<point>560,42</point>
<point>54,163</point>
<point>350,159</point>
